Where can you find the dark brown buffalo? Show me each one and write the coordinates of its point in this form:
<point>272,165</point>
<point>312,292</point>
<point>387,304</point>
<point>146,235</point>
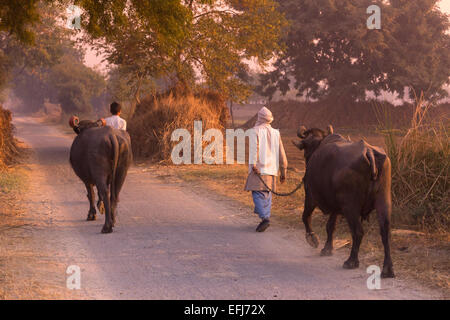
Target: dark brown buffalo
<point>348,178</point>
<point>101,156</point>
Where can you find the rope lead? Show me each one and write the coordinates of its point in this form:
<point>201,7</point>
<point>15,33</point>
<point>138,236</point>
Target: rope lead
<point>277,193</point>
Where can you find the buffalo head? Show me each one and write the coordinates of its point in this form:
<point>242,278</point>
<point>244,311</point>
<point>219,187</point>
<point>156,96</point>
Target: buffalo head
<point>311,139</point>
<point>78,126</point>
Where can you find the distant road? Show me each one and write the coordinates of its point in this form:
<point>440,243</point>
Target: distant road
<point>171,243</point>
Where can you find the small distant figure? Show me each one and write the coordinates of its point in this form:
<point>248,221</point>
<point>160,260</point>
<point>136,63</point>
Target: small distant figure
<point>115,120</point>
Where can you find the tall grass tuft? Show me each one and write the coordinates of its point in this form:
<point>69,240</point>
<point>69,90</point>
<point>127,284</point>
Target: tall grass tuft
<point>158,116</point>
<point>420,159</point>
<point>8,144</point>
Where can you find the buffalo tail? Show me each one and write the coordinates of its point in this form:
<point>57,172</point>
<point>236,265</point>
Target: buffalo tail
<point>373,166</point>
<point>115,148</point>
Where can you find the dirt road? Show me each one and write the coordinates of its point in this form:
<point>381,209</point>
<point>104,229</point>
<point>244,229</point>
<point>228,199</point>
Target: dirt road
<point>171,243</point>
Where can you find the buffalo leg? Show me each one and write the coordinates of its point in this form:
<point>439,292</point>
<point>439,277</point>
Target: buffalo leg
<point>119,180</point>
<point>91,197</point>
<point>357,231</point>
<point>311,237</point>
<point>100,205</point>
<point>331,225</point>
<point>384,217</point>
<point>103,193</point>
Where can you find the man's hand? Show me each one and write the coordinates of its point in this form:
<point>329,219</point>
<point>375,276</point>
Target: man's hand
<point>101,122</point>
<point>282,178</point>
<point>255,169</point>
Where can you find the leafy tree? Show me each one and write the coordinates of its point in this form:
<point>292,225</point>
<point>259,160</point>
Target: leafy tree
<point>76,85</point>
<point>190,41</point>
<point>186,40</point>
<point>139,54</point>
<point>122,86</point>
<point>332,54</point>
<point>419,49</point>
<point>18,16</point>
<point>28,63</point>
<point>51,67</point>
<point>69,83</point>
<point>104,18</point>
<point>16,20</point>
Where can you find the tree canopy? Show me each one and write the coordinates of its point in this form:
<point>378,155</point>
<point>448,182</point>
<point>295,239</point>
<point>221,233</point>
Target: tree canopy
<point>17,18</point>
<point>193,42</point>
<point>331,52</point>
<point>326,49</point>
<point>51,67</point>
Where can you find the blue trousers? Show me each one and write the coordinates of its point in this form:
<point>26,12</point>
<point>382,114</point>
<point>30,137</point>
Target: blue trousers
<point>263,203</point>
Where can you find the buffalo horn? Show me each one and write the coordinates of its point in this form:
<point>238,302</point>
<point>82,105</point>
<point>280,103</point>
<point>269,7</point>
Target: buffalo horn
<point>330,129</point>
<point>74,121</point>
<point>301,132</point>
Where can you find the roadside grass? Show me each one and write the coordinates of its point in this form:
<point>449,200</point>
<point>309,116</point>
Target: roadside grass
<point>420,157</point>
<point>23,265</point>
<point>12,180</point>
<point>13,183</point>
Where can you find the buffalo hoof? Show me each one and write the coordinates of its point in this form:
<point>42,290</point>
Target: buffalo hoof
<point>325,252</point>
<point>351,264</point>
<point>107,229</point>
<point>101,207</point>
<point>91,217</point>
<point>387,272</point>
<point>312,239</point>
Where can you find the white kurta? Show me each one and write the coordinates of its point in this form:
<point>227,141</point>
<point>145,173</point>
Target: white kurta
<point>267,153</point>
<point>116,122</point>
<point>267,150</point>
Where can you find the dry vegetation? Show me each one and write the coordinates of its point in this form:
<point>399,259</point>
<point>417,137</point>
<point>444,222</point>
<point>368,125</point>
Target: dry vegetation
<point>420,170</point>
<point>12,184</point>
<point>8,145</point>
<point>158,116</point>
<point>27,269</point>
<point>17,254</point>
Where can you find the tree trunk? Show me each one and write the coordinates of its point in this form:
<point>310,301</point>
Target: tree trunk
<point>231,114</point>
<point>136,99</point>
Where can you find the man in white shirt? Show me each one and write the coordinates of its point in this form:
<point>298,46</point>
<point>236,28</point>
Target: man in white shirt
<point>269,159</point>
<point>115,120</point>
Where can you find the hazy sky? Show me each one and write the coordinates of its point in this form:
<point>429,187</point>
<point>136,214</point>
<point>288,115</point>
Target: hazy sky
<point>92,60</point>
<point>445,6</point>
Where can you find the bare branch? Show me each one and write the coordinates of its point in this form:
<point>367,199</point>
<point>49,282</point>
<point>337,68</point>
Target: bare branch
<point>216,12</point>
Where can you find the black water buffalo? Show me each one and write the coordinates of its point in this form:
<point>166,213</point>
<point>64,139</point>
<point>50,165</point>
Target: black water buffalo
<point>101,156</point>
<point>348,178</point>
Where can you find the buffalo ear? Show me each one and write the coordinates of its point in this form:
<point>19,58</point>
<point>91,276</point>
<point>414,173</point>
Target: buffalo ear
<point>301,132</point>
<point>330,129</point>
<point>298,144</point>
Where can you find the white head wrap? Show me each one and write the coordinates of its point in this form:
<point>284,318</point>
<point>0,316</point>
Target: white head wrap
<point>264,117</point>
